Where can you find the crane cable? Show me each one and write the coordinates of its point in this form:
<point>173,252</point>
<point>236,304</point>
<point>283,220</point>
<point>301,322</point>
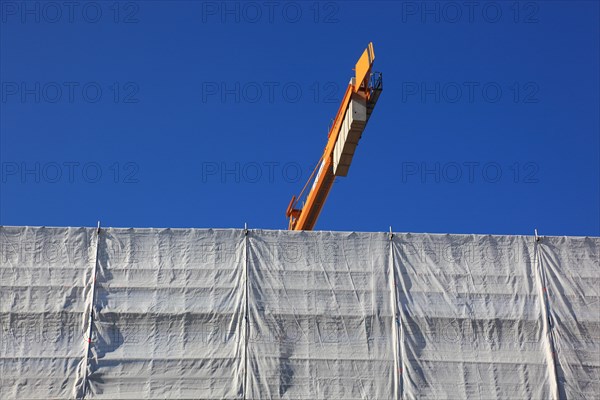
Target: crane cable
<point>310,179</point>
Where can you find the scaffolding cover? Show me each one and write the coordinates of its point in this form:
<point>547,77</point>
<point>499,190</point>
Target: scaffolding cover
<point>235,314</point>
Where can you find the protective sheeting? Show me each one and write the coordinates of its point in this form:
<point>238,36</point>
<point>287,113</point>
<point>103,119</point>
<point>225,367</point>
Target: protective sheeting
<point>573,293</point>
<point>44,286</point>
<point>471,318</point>
<point>168,315</point>
<point>229,314</point>
<point>319,316</point>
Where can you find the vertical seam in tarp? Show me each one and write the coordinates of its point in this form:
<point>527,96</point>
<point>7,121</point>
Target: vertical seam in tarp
<point>91,316</point>
<point>543,294</point>
<point>82,392</point>
<point>397,331</point>
<point>246,319</point>
<point>395,320</point>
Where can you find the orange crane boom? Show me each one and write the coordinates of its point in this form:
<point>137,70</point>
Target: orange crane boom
<point>353,114</point>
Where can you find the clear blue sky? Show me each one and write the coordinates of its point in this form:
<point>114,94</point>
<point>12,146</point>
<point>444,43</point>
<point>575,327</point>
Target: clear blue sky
<point>186,114</point>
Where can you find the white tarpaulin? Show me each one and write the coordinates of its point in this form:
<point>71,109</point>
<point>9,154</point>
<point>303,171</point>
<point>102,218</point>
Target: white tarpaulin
<point>230,314</point>
<point>472,318</point>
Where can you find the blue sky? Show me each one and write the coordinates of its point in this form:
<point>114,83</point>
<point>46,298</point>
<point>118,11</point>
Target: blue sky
<point>212,114</point>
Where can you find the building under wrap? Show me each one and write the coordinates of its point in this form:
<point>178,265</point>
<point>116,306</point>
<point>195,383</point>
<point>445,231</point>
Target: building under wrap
<point>235,314</point>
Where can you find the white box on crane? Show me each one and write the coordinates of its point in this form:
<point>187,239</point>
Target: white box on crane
<point>351,130</point>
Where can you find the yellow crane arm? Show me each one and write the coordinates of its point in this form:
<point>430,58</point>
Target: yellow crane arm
<point>352,116</point>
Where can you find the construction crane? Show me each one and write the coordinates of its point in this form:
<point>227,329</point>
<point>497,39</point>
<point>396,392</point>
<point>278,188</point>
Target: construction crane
<point>349,123</point>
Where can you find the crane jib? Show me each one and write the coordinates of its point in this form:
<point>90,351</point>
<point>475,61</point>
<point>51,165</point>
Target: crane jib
<point>351,119</point>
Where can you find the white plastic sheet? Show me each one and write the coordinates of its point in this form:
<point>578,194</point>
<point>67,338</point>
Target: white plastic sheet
<point>320,316</point>
<point>221,314</point>
<point>573,297</point>
<point>471,318</point>
<point>44,283</point>
<point>169,309</point>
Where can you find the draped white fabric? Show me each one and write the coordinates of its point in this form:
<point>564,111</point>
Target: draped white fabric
<point>234,314</point>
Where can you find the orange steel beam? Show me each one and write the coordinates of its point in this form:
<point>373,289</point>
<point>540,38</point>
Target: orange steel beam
<point>305,218</point>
